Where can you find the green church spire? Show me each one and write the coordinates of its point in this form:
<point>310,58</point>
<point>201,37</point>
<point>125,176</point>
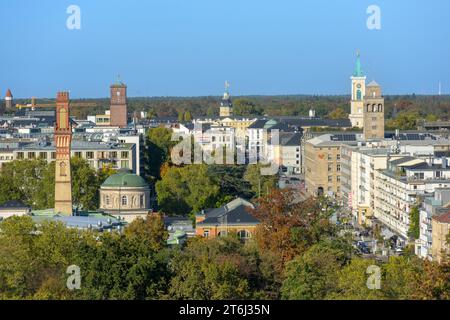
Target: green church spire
<point>358,71</point>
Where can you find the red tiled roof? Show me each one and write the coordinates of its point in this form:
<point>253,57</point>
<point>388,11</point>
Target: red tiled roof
<point>443,218</point>
<point>8,94</point>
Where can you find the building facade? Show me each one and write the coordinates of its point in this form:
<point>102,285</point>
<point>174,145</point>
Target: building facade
<point>232,218</point>
<point>440,235</point>
<point>404,185</point>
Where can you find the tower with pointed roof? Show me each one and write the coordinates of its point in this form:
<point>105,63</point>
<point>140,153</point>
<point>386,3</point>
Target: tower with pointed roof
<point>373,113</point>
<point>8,101</point>
<point>226,106</point>
<point>118,108</point>
<point>358,92</point>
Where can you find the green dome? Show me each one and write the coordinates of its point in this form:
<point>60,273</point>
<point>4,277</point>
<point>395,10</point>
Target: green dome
<point>126,180</point>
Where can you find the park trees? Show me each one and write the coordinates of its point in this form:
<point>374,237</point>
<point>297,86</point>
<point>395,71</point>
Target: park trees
<point>313,275</point>
<point>217,269</point>
<point>260,184</point>
<point>288,227</point>
<point>158,145</point>
<point>185,190</point>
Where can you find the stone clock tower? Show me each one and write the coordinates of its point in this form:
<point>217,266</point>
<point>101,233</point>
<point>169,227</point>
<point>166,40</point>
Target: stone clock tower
<point>63,140</point>
<point>358,93</point>
<point>118,109</point>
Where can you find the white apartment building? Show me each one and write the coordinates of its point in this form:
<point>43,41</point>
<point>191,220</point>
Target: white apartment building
<point>286,152</point>
<point>98,154</point>
<point>403,185</point>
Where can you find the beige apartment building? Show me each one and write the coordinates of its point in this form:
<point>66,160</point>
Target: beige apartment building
<point>440,234</point>
<point>358,166</point>
<point>322,159</point>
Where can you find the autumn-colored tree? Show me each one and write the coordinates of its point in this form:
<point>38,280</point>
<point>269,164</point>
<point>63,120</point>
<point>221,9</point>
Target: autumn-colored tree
<point>289,227</point>
<point>217,269</point>
<point>433,283</point>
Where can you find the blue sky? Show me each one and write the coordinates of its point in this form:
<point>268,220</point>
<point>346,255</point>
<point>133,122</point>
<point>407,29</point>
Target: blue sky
<point>190,47</point>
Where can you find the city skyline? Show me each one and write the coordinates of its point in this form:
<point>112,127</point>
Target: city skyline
<point>177,48</point>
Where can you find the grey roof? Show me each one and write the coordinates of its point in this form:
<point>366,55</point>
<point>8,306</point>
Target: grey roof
<point>258,124</point>
<point>402,160</point>
<point>233,213</point>
<point>289,139</point>
<point>315,122</point>
<point>83,222</point>
<point>13,204</point>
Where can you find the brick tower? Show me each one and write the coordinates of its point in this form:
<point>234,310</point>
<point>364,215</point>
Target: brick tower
<point>118,107</point>
<point>63,139</point>
<point>9,100</point>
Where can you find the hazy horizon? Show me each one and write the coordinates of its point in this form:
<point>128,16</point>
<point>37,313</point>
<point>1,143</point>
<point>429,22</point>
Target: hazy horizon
<point>184,48</point>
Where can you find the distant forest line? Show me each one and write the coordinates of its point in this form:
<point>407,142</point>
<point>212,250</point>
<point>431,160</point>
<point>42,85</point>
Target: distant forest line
<point>412,107</point>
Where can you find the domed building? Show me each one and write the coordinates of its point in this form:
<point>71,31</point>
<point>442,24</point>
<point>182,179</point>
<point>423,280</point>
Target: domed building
<point>125,195</point>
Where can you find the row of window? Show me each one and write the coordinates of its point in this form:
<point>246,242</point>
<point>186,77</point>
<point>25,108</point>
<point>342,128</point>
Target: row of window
<point>242,234</point>
<point>330,157</point>
<point>125,200</point>
<point>89,155</point>
<point>330,179</point>
<point>330,168</point>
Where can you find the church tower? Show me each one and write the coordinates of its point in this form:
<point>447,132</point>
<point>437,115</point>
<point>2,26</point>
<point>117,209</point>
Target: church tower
<point>373,112</point>
<point>358,93</point>
<point>226,106</point>
<point>118,109</point>
<point>63,139</point>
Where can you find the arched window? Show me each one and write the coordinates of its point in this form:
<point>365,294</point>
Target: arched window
<point>124,200</point>
<point>142,201</point>
<point>368,107</point>
<point>374,108</point>
<point>358,95</point>
<point>380,108</point>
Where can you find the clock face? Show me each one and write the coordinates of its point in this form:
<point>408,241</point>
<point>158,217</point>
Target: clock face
<point>358,86</point>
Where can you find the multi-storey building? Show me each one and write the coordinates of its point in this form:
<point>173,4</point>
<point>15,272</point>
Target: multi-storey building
<point>435,205</point>
<point>98,154</point>
<point>286,152</point>
<point>322,158</point>
<point>440,249</point>
<point>402,186</point>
